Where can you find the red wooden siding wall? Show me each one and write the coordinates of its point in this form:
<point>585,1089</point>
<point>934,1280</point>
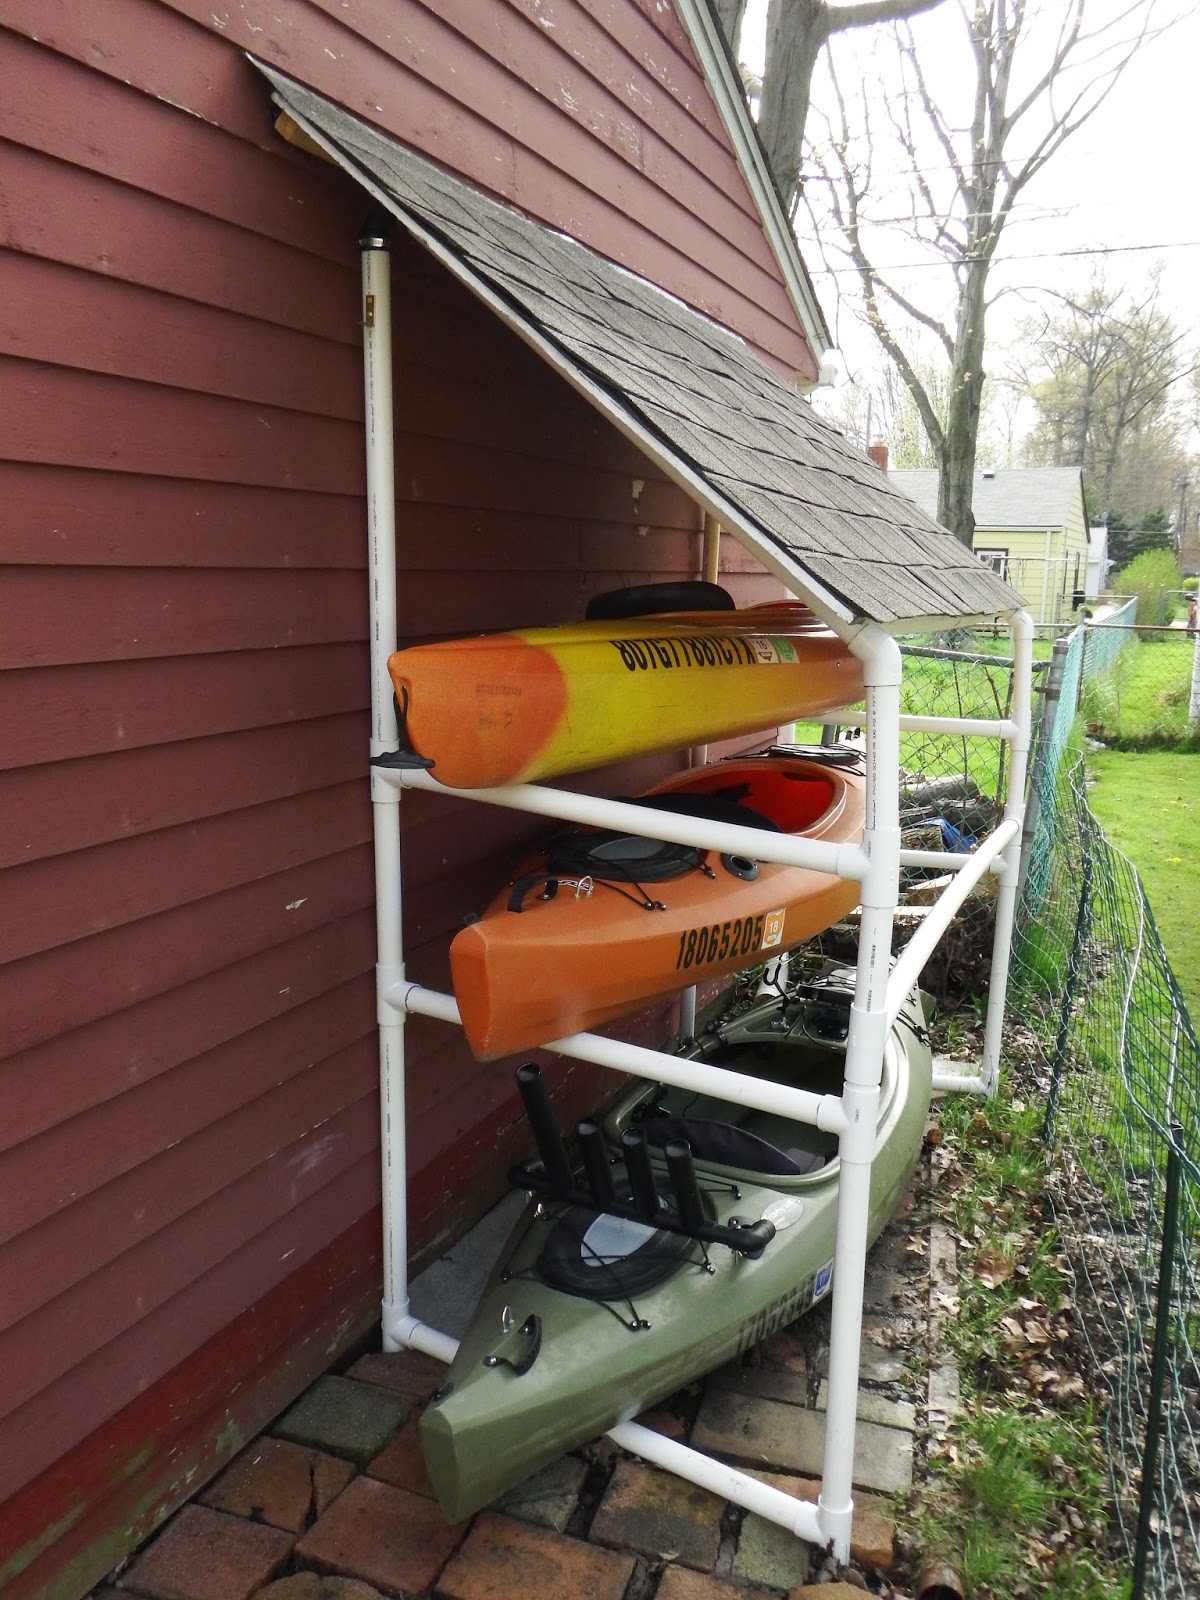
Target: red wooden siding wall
<point>592,115</point>
<point>188,1109</point>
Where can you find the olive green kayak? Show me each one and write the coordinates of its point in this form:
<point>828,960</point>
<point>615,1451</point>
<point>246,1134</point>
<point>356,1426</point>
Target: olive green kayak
<point>593,1315</point>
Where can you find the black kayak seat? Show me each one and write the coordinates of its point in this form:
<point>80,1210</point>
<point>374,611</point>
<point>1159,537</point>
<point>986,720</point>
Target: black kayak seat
<point>658,599</point>
<point>726,1145</point>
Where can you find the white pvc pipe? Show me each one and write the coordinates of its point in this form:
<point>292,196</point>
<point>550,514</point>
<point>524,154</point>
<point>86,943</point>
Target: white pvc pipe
<point>798,1516</point>
<point>839,860</point>
<point>985,727</point>
<point>823,1111</point>
<point>410,1333</point>
<point>378,427</point>
<point>385,800</point>
<point>959,1082</point>
<point>950,860</point>
<point>867,1040</point>
<point>923,943</point>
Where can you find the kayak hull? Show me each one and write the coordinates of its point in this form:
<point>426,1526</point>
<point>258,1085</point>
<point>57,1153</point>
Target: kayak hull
<point>596,950</point>
<point>541,702</point>
<point>490,1427</point>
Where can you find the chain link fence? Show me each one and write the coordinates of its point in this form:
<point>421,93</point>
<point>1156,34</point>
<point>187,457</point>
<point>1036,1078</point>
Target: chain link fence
<point>1115,1049</point>
<point>1141,688</point>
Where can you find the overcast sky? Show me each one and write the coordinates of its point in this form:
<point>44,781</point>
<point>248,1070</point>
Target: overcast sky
<point>1128,179</point>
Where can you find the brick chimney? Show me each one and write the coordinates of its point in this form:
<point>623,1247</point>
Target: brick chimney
<point>879,455</point>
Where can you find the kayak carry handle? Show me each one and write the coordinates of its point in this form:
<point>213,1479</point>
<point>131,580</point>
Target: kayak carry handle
<point>641,1175</point>
<point>549,1140</point>
<point>595,1164</point>
<point>683,1183</point>
<point>516,900</point>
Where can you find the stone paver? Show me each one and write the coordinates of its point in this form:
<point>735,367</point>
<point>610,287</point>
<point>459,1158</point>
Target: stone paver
<point>348,1419</point>
<point>317,1586</point>
<point>790,1438</point>
<point>826,1591</point>
<point>203,1554</point>
<point>661,1420</point>
<point>680,1583</point>
<point>550,1497</point>
<point>507,1560</point>
<point>874,1532</point>
<point>279,1483</point>
<point>878,1362</point>
<point>874,1407</point>
<point>388,1537</point>
<point>401,1462</point>
<point>769,1554</point>
<point>403,1372</point>
<point>659,1515</point>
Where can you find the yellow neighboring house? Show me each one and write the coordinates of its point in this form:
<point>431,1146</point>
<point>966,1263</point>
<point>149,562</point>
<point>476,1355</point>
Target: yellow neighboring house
<point>1031,525</point>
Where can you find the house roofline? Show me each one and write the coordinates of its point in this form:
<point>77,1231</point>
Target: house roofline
<point>725,85</point>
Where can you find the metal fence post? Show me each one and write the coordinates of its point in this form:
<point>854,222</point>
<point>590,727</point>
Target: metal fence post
<point>1071,982</point>
<point>1047,718</point>
<point>1158,1368</point>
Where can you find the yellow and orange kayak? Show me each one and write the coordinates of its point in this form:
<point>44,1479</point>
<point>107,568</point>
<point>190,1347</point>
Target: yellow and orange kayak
<point>600,924</point>
<point>514,707</point>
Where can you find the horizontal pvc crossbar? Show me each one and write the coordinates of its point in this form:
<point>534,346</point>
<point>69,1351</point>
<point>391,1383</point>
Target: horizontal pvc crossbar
<point>923,943</point>
<point>822,1111</point>
<point>839,860</point>
<point>985,727</point>
<point>800,1517</point>
<point>960,1083</point>
<point>949,860</point>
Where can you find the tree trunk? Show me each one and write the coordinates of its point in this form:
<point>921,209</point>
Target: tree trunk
<point>796,35</point>
<point>729,15</point>
<point>957,477</point>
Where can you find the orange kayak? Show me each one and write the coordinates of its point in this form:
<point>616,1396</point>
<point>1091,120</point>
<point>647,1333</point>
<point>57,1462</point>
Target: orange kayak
<point>514,707</point>
<point>600,924</point>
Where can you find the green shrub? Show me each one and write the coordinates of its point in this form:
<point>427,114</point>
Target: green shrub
<point>1151,576</point>
<point>1190,584</point>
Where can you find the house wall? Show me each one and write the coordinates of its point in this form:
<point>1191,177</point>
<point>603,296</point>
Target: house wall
<point>1042,564</point>
<point>188,1108</point>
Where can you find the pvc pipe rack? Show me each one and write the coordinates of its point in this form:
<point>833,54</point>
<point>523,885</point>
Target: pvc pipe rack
<point>879,993</point>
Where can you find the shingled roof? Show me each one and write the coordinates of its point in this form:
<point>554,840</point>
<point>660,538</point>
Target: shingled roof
<point>1005,497</point>
<point>703,405</point>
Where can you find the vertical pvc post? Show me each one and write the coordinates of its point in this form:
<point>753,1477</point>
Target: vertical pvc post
<point>1008,868</point>
<point>385,798</point>
<point>882,667</point>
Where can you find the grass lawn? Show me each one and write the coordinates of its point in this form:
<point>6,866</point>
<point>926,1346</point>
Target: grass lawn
<point>1148,803</point>
<point>1145,695</point>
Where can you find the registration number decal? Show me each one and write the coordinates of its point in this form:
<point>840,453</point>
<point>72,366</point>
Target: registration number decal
<point>729,940</point>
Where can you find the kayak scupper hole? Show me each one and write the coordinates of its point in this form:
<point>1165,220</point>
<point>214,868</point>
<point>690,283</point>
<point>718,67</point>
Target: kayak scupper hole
<point>740,867</point>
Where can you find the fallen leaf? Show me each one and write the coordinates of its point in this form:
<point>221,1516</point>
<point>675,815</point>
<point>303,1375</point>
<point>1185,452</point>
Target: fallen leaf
<point>993,1267</point>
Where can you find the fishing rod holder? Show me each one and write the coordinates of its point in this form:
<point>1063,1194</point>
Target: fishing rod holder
<point>551,1176</point>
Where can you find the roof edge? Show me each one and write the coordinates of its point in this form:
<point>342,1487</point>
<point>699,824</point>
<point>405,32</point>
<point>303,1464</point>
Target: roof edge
<point>720,73</point>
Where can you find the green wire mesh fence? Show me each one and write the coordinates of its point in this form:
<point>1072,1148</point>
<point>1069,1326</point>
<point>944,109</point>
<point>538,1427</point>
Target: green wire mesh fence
<point>1123,1107</point>
<point>1118,1052</point>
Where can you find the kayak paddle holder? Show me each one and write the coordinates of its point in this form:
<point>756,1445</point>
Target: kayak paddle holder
<point>552,1177</point>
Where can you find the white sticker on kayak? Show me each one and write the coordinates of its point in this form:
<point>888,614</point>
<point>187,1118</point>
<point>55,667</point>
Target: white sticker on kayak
<point>822,1281</point>
<point>773,927</point>
<point>771,650</point>
<point>611,1239</point>
<point>783,1212</point>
